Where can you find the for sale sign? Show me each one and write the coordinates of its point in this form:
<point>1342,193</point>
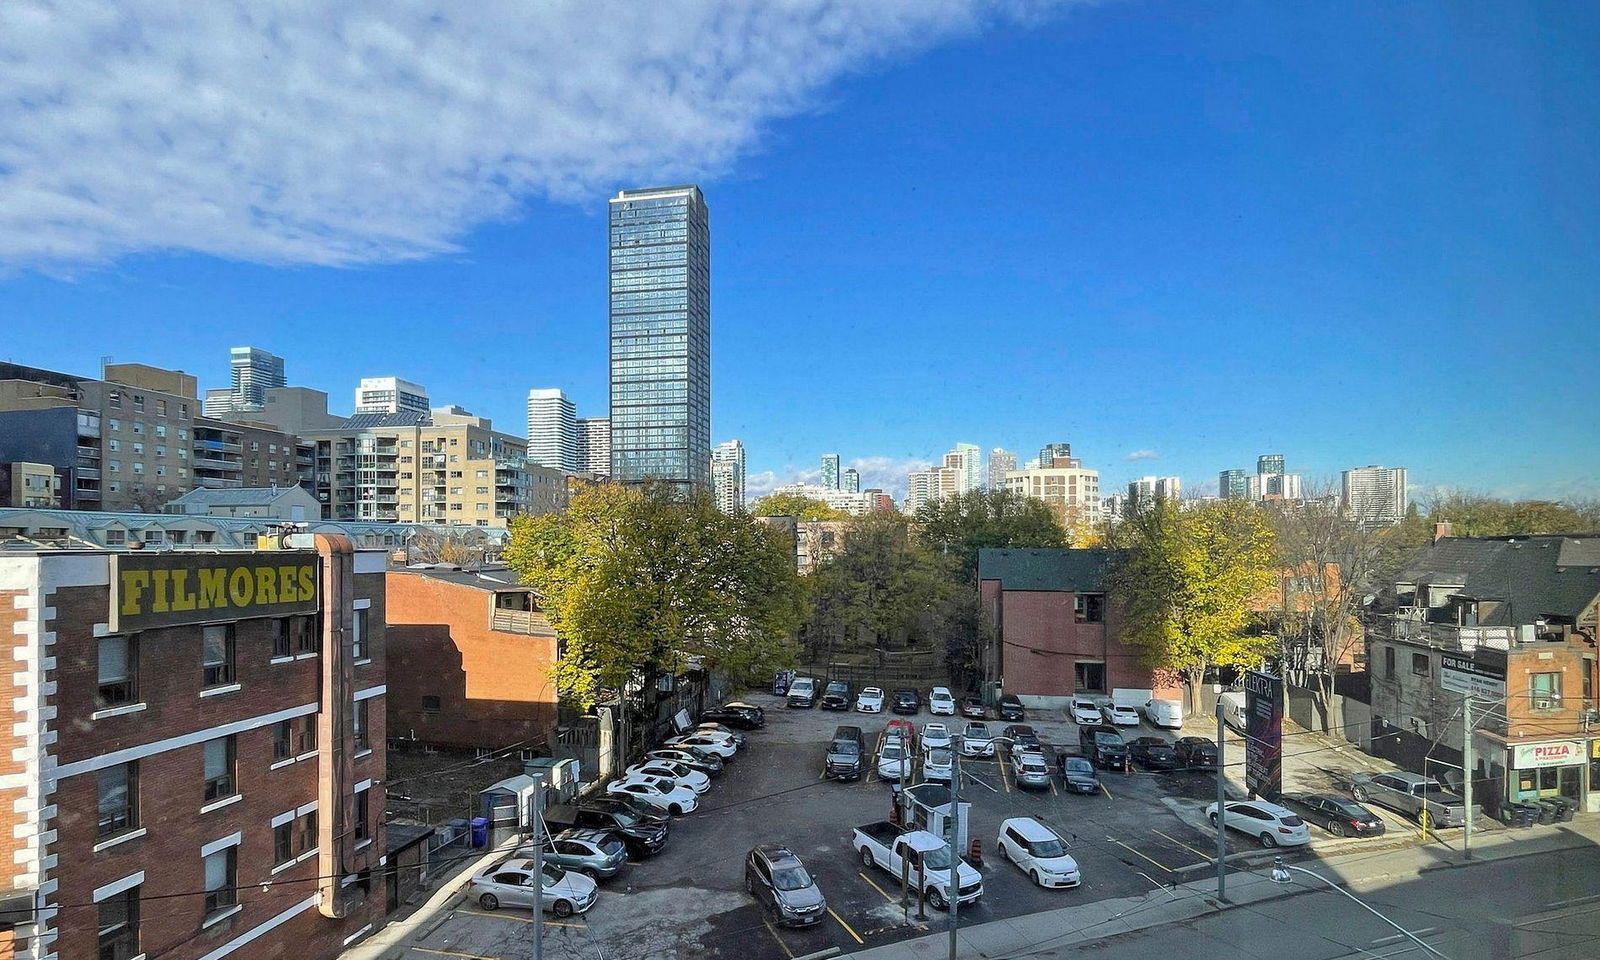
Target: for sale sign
<point>1263,747</point>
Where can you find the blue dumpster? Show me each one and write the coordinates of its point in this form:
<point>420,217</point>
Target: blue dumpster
<point>480,831</point>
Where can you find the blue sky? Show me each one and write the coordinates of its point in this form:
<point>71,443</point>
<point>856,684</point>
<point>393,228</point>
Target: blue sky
<point>1349,233</point>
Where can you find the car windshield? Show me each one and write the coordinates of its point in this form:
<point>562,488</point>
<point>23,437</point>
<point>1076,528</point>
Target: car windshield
<point>1291,820</point>
<point>1052,847</point>
<point>552,874</point>
<point>941,697</point>
<point>978,731</point>
<point>937,858</point>
<point>1079,765</point>
<point>1108,740</point>
<point>792,877</point>
<point>837,688</point>
<point>939,758</point>
<point>891,751</point>
<point>847,747</point>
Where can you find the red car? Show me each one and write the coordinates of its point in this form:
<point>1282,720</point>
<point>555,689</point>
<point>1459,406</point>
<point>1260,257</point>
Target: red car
<point>904,729</point>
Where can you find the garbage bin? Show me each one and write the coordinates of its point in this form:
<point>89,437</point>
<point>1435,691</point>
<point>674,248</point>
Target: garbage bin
<point>1565,808</point>
<point>480,831</point>
<point>1548,812</point>
<point>1526,814</point>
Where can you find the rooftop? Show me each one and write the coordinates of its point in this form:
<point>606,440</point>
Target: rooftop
<point>236,496</point>
<point>1557,575</point>
<point>491,578</point>
<point>1055,569</point>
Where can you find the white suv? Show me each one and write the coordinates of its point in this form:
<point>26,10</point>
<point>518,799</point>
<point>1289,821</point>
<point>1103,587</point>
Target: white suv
<point>1273,825</point>
<point>1038,852</point>
<point>941,703</point>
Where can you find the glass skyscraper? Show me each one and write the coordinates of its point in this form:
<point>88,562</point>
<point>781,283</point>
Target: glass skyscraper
<point>661,336</point>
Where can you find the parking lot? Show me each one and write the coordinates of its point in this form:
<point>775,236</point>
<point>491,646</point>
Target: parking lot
<point>1139,834</point>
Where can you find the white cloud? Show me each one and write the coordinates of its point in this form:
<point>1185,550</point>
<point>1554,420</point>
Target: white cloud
<point>1142,455</point>
<point>333,134</point>
<point>884,473</point>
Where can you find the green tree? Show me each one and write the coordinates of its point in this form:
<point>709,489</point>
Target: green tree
<point>638,581</point>
<point>877,590</point>
<point>794,505</point>
<point>1186,578</point>
<point>959,526</point>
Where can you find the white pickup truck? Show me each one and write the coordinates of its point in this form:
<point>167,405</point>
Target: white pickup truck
<point>885,845</point>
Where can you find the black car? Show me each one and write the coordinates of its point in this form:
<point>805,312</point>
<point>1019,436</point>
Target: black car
<point>1195,752</point>
<point>844,758</point>
<point>1077,775</point>
<point>739,717</point>
<point>973,709</point>
<point>643,834</point>
<point>1340,816</point>
<point>836,697</point>
<point>905,701</point>
<point>1022,738</point>
<point>1011,709</point>
<point>1103,745</point>
<point>1153,753</point>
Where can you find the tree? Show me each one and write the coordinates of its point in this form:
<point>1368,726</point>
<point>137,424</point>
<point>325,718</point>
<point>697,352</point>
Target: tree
<point>457,547</point>
<point>959,526</point>
<point>877,589</point>
<point>1186,579</point>
<point>637,582</point>
<point>794,505</point>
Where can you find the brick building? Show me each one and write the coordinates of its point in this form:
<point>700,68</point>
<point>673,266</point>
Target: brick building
<point>1057,631</point>
<point>470,657</point>
<point>196,755</point>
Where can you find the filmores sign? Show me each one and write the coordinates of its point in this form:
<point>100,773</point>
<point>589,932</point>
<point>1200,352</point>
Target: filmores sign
<point>151,590</point>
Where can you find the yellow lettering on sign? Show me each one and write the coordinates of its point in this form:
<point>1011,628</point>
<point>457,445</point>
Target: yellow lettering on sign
<point>213,586</point>
<point>288,586</point>
<point>241,587</point>
<point>158,590</point>
<point>308,583</point>
<point>266,585</point>
<point>134,583</point>
<point>182,596</point>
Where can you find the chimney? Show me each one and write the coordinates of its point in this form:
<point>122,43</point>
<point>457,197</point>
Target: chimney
<point>1441,529</point>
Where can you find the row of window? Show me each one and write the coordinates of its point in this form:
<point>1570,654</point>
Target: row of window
<point>1544,689</point>
<point>114,400</point>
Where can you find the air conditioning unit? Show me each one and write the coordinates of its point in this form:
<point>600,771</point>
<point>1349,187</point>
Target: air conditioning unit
<point>1546,703</point>
<point>1419,727</point>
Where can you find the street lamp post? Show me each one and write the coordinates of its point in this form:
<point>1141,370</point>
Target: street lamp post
<point>1281,874</point>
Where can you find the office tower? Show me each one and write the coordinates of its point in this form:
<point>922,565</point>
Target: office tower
<point>1231,485</point>
<point>1149,489</point>
<point>1269,464</point>
<point>1273,486</point>
<point>971,465</point>
<point>552,429</point>
<point>852,481</point>
<point>217,402</point>
<point>1375,494</point>
<point>594,445</point>
<point>830,471</point>
<point>1050,451</point>
<point>660,309</point>
<point>727,476</point>
<point>1001,462</point>
<point>255,371</point>
<point>390,395</point>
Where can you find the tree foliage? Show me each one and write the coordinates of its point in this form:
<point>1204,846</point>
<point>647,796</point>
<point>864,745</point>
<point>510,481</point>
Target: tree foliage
<point>877,589</point>
<point>959,526</point>
<point>638,581</point>
<point>794,505</point>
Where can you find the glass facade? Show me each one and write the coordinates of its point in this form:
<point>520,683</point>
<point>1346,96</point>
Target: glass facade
<point>661,336</point>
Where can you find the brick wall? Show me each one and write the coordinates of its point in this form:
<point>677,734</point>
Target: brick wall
<point>1041,642</point>
<point>10,641</point>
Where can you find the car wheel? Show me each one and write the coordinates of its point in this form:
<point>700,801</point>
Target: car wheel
<point>1360,793</point>
<point>561,908</point>
<point>1034,876</point>
<point>749,886</point>
<point>937,900</point>
<point>1336,828</point>
<point>866,859</point>
<point>489,902</point>
<point>1213,818</point>
<point>675,810</point>
<point>1268,840</point>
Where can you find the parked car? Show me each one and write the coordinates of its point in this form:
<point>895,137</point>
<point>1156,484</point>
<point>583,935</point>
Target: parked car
<point>1078,775</point>
<point>836,696</point>
<point>597,854</point>
<point>843,760</point>
<point>1338,816</point>
<point>1031,771</point>
<point>1021,738</point>
<point>722,746</point>
<point>1010,708</point>
<point>906,700</point>
<point>783,887</point>
<point>664,793</point>
<point>938,764</point>
<point>935,734</point>
<point>1120,715</point>
<point>1233,709</point>
<point>1411,793</point>
<point>870,700</point>
<point>895,761</point>
<point>977,741</point>
<point>1196,751</point>
<point>737,716</point>
<point>972,708</point>
<point>670,770</point>
<point>622,801</point>
<point>802,693</point>
<point>1268,822</point>
<point>1166,714</point>
<point>941,703</point>
<point>717,728</point>
<point>1153,753</point>
<point>642,833</point>
<point>1038,852</point>
<point>902,730</point>
<point>515,883</point>
<point>1084,710</point>
<point>756,709</point>
<point>927,860</point>
<point>1103,746</point>
<point>707,763</point>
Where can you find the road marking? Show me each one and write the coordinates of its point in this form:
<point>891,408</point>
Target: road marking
<point>454,953</point>
<point>1396,938</point>
<point>786,951</point>
<point>847,928</point>
<point>1053,791</point>
<point>1106,792</point>
<point>876,887</point>
<point>507,916</point>
<point>1206,856</point>
<point>1005,781</point>
<point>1137,853</point>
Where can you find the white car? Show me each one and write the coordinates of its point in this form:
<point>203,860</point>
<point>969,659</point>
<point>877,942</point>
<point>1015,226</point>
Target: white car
<point>894,761</point>
<point>660,792</point>
<point>719,744</point>
<point>870,700</point>
<point>935,734</point>
<point>667,769</point>
<point>1273,825</point>
<point>941,703</point>
<point>1038,852</point>
<point>1084,711</point>
<point>977,741</point>
<point>516,884</point>
<point>1120,715</point>
<point>937,764</point>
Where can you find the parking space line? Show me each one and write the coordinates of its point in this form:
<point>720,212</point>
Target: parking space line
<point>1005,781</point>
<point>847,928</point>
<point>507,916</point>
<point>1106,792</point>
<point>454,953</point>
<point>1138,854</point>
<point>1198,853</point>
<point>786,951</point>
<point>877,888</point>
<point>1053,791</point>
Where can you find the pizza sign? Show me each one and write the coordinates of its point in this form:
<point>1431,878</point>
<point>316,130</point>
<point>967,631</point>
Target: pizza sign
<point>1557,753</point>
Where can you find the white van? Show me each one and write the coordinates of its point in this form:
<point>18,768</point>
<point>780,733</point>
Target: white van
<point>1167,714</point>
<point>1233,713</point>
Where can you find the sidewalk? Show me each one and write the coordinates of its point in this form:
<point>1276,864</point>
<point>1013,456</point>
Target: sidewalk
<point>396,933</point>
<point>1052,930</point>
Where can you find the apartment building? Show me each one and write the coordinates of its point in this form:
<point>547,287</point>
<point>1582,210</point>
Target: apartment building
<point>24,484</point>
<point>197,750</point>
<point>444,467</point>
<point>594,446</point>
<point>1072,491</point>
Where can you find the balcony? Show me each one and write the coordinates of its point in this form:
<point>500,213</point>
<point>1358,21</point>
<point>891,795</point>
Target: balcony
<point>217,483</point>
<point>89,453</point>
<point>206,461</point>
<point>514,621</point>
<point>88,493</point>
<point>88,473</point>
<point>225,445</point>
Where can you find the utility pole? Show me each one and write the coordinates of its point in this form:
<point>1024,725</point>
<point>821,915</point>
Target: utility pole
<point>538,872</point>
<point>954,895</point>
<point>1222,798</point>
<point>1466,775</point>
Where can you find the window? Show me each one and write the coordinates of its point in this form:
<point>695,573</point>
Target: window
<point>119,925</point>
<point>118,658</point>
<point>1544,691</point>
<point>1420,664</point>
<point>138,466</point>
<point>138,401</point>
<point>221,880</point>
<point>310,640</point>
<point>114,398</point>
<point>119,796</point>
<point>430,703</point>
<point>217,654</point>
<point>220,757</point>
<point>161,428</point>
<point>138,426</point>
<point>293,738</point>
<point>358,636</point>
<point>358,726</point>
<point>362,812</point>
<point>1089,608</point>
<point>1388,661</point>
<point>1089,676</point>
<point>114,445</point>
<point>283,640</point>
<point>283,843</point>
<point>482,490</point>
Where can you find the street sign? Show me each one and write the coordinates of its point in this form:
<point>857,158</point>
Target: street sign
<point>1465,675</point>
<point>1263,748</point>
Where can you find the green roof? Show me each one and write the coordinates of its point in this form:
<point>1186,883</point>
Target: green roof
<point>1061,570</point>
